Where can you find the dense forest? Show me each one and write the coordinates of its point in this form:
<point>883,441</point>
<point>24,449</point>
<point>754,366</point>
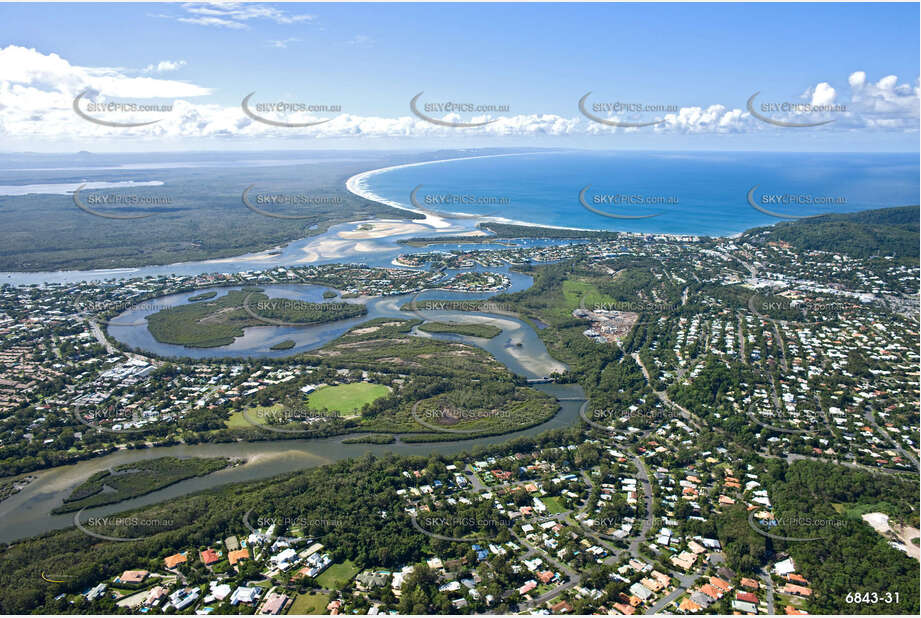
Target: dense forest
<point>200,218</point>
<point>850,556</point>
<point>887,231</point>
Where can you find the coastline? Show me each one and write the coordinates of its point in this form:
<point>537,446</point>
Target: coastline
<point>357,186</point>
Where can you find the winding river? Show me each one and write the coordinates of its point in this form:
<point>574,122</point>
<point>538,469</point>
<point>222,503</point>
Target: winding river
<point>518,347</point>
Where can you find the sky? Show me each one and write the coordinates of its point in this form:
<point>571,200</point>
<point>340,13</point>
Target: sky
<point>697,65</point>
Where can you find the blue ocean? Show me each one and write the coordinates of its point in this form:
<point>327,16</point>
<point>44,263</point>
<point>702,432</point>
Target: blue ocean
<point>686,193</point>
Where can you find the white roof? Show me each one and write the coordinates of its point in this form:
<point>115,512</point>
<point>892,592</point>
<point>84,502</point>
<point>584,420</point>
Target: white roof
<point>784,567</point>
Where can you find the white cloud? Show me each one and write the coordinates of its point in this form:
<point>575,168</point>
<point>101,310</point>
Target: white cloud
<point>885,104</point>
<point>38,89</point>
<point>361,40</point>
<point>712,119</point>
<point>164,65</point>
<point>214,21</point>
<point>822,94</point>
<point>283,43</point>
<point>22,68</point>
<point>234,15</point>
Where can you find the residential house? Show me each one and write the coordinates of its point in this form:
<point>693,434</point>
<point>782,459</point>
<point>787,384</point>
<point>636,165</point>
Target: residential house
<point>237,555</point>
<point>131,577</point>
<point>209,557</point>
<point>245,594</point>
<point>744,607</point>
<point>95,592</point>
<point>275,604</point>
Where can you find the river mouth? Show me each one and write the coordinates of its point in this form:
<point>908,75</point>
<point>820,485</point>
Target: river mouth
<point>517,347</point>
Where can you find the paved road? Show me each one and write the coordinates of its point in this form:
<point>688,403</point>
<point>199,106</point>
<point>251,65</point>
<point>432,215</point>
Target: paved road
<point>111,349</point>
<point>769,585</point>
<point>742,354</point>
<point>850,464</point>
<point>101,338</point>
<point>753,270</point>
<point>665,601</point>
<point>475,481</point>
<point>783,348</point>
<point>643,476</point>
<point>573,577</point>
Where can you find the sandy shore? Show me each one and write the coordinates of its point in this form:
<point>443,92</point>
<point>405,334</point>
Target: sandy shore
<point>329,248</point>
<point>262,256</point>
<point>357,184</point>
<point>383,229</point>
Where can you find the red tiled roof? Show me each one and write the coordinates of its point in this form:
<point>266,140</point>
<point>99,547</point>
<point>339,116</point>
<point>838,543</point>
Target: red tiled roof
<point>750,583</point>
<point>237,555</point>
<point>747,596</point>
<point>797,578</point>
<point>561,607</point>
<point>710,591</point>
<point>209,556</point>
<point>798,590</point>
<point>624,609</point>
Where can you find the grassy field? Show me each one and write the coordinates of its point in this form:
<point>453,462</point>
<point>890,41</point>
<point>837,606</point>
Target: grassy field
<point>553,505</point>
<point>858,510</point>
<point>575,290</point>
<point>337,575</point>
<point>309,604</point>
<point>256,414</point>
<point>346,398</point>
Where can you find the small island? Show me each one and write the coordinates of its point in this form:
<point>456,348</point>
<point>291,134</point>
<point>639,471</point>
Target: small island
<point>215,323</point>
<point>371,438</point>
<point>287,344</point>
<point>137,479</point>
<point>203,296</point>
<point>9,487</point>
<point>486,331</point>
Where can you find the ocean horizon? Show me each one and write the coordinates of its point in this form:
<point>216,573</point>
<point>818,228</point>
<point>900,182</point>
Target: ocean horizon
<point>679,193</point>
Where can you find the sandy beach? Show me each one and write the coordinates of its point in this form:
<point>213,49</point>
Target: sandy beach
<point>357,184</point>
<point>383,229</point>
<point>329,248</point>
<point>262,256</point>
